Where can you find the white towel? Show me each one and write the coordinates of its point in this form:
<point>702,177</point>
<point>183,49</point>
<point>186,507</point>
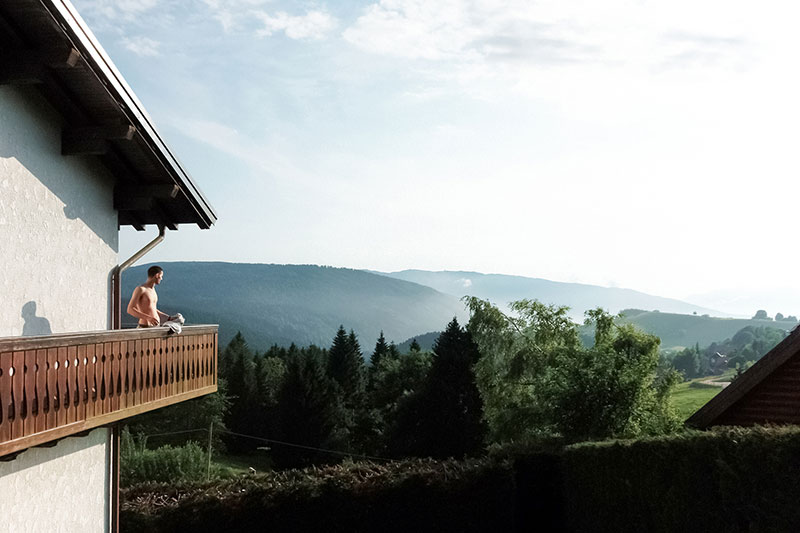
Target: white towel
<point>174,323</point>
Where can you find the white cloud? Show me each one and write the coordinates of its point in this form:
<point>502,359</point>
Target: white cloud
<point>141,46</point>
<point>464,282</point>
<point>115,9</point>
<point>312,25</point>
<point>543,33</point>
<point>228,12</point>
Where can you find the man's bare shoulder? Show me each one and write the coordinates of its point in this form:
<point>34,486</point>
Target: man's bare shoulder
<point>143,290</point>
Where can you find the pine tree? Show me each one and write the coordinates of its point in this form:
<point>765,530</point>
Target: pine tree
<point>308,412</point>
<point>445,418</point>
<point>415,347</point>
<point>394,353</point>
<point>381,350</point>
<point>346,366</point>
<point>239,372</point>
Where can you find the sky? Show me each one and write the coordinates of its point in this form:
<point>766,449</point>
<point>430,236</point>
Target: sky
<point>641,144</point>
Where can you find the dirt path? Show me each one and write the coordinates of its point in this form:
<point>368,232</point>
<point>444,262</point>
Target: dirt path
<point>721,384</point>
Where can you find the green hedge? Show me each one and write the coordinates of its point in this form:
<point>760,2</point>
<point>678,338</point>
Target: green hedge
<point>728,480</point>
<point>420,495</point>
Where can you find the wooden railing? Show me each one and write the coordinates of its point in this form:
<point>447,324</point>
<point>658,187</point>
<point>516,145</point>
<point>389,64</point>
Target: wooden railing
<point>58,385</point>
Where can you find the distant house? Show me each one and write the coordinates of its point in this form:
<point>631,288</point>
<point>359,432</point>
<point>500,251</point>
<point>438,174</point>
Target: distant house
<point>767,393</point>
<point>79,158</point>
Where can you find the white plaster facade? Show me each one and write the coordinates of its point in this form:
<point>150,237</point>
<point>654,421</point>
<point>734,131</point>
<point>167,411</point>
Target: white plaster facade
<point>59,239</point>
<point>59,489</point>
<point>58,226</point>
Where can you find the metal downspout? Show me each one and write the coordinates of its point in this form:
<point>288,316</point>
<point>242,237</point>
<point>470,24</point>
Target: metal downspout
<point>116,323</point>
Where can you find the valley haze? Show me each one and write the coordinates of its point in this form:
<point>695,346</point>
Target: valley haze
<point>305,304</point>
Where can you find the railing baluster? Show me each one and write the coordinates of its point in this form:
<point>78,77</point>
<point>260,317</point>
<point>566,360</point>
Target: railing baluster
<point>91,380</point>
<point>108,355</point>
<point>6,361</point>
<point>115,351</point>
<point>72,384</point>
<point>17,393</point>
<point>52,389</point>
<point>61,390</point>
<point>29,422</point>
<point>41,391</point>
<point>83,384</point>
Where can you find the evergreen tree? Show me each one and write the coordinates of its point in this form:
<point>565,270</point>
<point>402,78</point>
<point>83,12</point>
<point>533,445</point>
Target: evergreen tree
<point>346,366</point>
<point>394,353</point>
<point>381,351</point>
<point>308,413</point>
<point>414,347</point>
<point>240,377</point>
<point>445,418</point>
<point>269,374</point>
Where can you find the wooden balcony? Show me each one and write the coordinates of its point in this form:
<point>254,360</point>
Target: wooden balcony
<point>58,385</point>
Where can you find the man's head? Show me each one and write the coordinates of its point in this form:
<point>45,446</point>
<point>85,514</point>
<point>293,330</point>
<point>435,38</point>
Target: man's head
<point>156,273</point>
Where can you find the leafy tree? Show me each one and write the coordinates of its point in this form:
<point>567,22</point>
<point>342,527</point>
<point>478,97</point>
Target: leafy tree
<point>536,378</point>
<point>760,315</point>
<point>779,316</point>
<point>397,380</point>
<point>181,418</point>
<point>688,363</point>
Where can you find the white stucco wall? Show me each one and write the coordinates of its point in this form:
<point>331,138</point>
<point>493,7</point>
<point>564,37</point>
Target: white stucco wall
<point>59,242</point>
<point>58,227</point>
<point>59,489</point>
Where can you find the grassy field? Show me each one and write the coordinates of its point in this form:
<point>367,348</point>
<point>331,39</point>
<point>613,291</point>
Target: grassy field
<point>235,465</point>
<point>692,395</point>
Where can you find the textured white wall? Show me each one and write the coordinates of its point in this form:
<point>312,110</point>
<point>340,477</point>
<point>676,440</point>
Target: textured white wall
<point>59,239</point>
<point>59,489</point>
<point>58,226</point>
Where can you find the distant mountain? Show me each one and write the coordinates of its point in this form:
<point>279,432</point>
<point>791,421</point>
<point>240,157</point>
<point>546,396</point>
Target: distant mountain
<point>685,330</point>
<point>425,341</point>
<point>303,304</point>
<point>501,289</point>
<point>746,302</point>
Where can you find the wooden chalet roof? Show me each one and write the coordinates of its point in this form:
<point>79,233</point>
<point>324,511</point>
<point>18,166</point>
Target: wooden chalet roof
<point>45,44</point>
<point>767,393</point>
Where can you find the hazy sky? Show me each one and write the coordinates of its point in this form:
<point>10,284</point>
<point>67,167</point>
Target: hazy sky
<point>649,145</point>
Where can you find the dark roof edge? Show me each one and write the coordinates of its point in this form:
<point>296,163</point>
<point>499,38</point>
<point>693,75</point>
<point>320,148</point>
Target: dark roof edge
<point>67,17</point>
<point>761,369</point>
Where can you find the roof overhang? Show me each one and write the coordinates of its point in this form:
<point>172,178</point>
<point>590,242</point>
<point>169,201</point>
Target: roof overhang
<point>46,44</point>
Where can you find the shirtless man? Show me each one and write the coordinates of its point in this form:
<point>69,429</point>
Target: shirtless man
<point>144,299</point>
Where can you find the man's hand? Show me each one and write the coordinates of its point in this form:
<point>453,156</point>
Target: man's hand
<point>152,321</point>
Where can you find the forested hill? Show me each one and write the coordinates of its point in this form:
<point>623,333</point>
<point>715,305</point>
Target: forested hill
<point>303,304</point>
<point>501,289</point>
<point>676,330</point>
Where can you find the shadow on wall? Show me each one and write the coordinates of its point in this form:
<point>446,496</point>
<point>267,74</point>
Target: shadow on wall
<point>21,108</point>
<point>34,325</point>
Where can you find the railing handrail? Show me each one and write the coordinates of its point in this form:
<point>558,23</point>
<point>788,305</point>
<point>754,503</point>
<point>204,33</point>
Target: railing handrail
<point>33,342</point>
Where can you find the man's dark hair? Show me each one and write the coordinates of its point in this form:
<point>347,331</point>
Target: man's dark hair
<point>153,270</point>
